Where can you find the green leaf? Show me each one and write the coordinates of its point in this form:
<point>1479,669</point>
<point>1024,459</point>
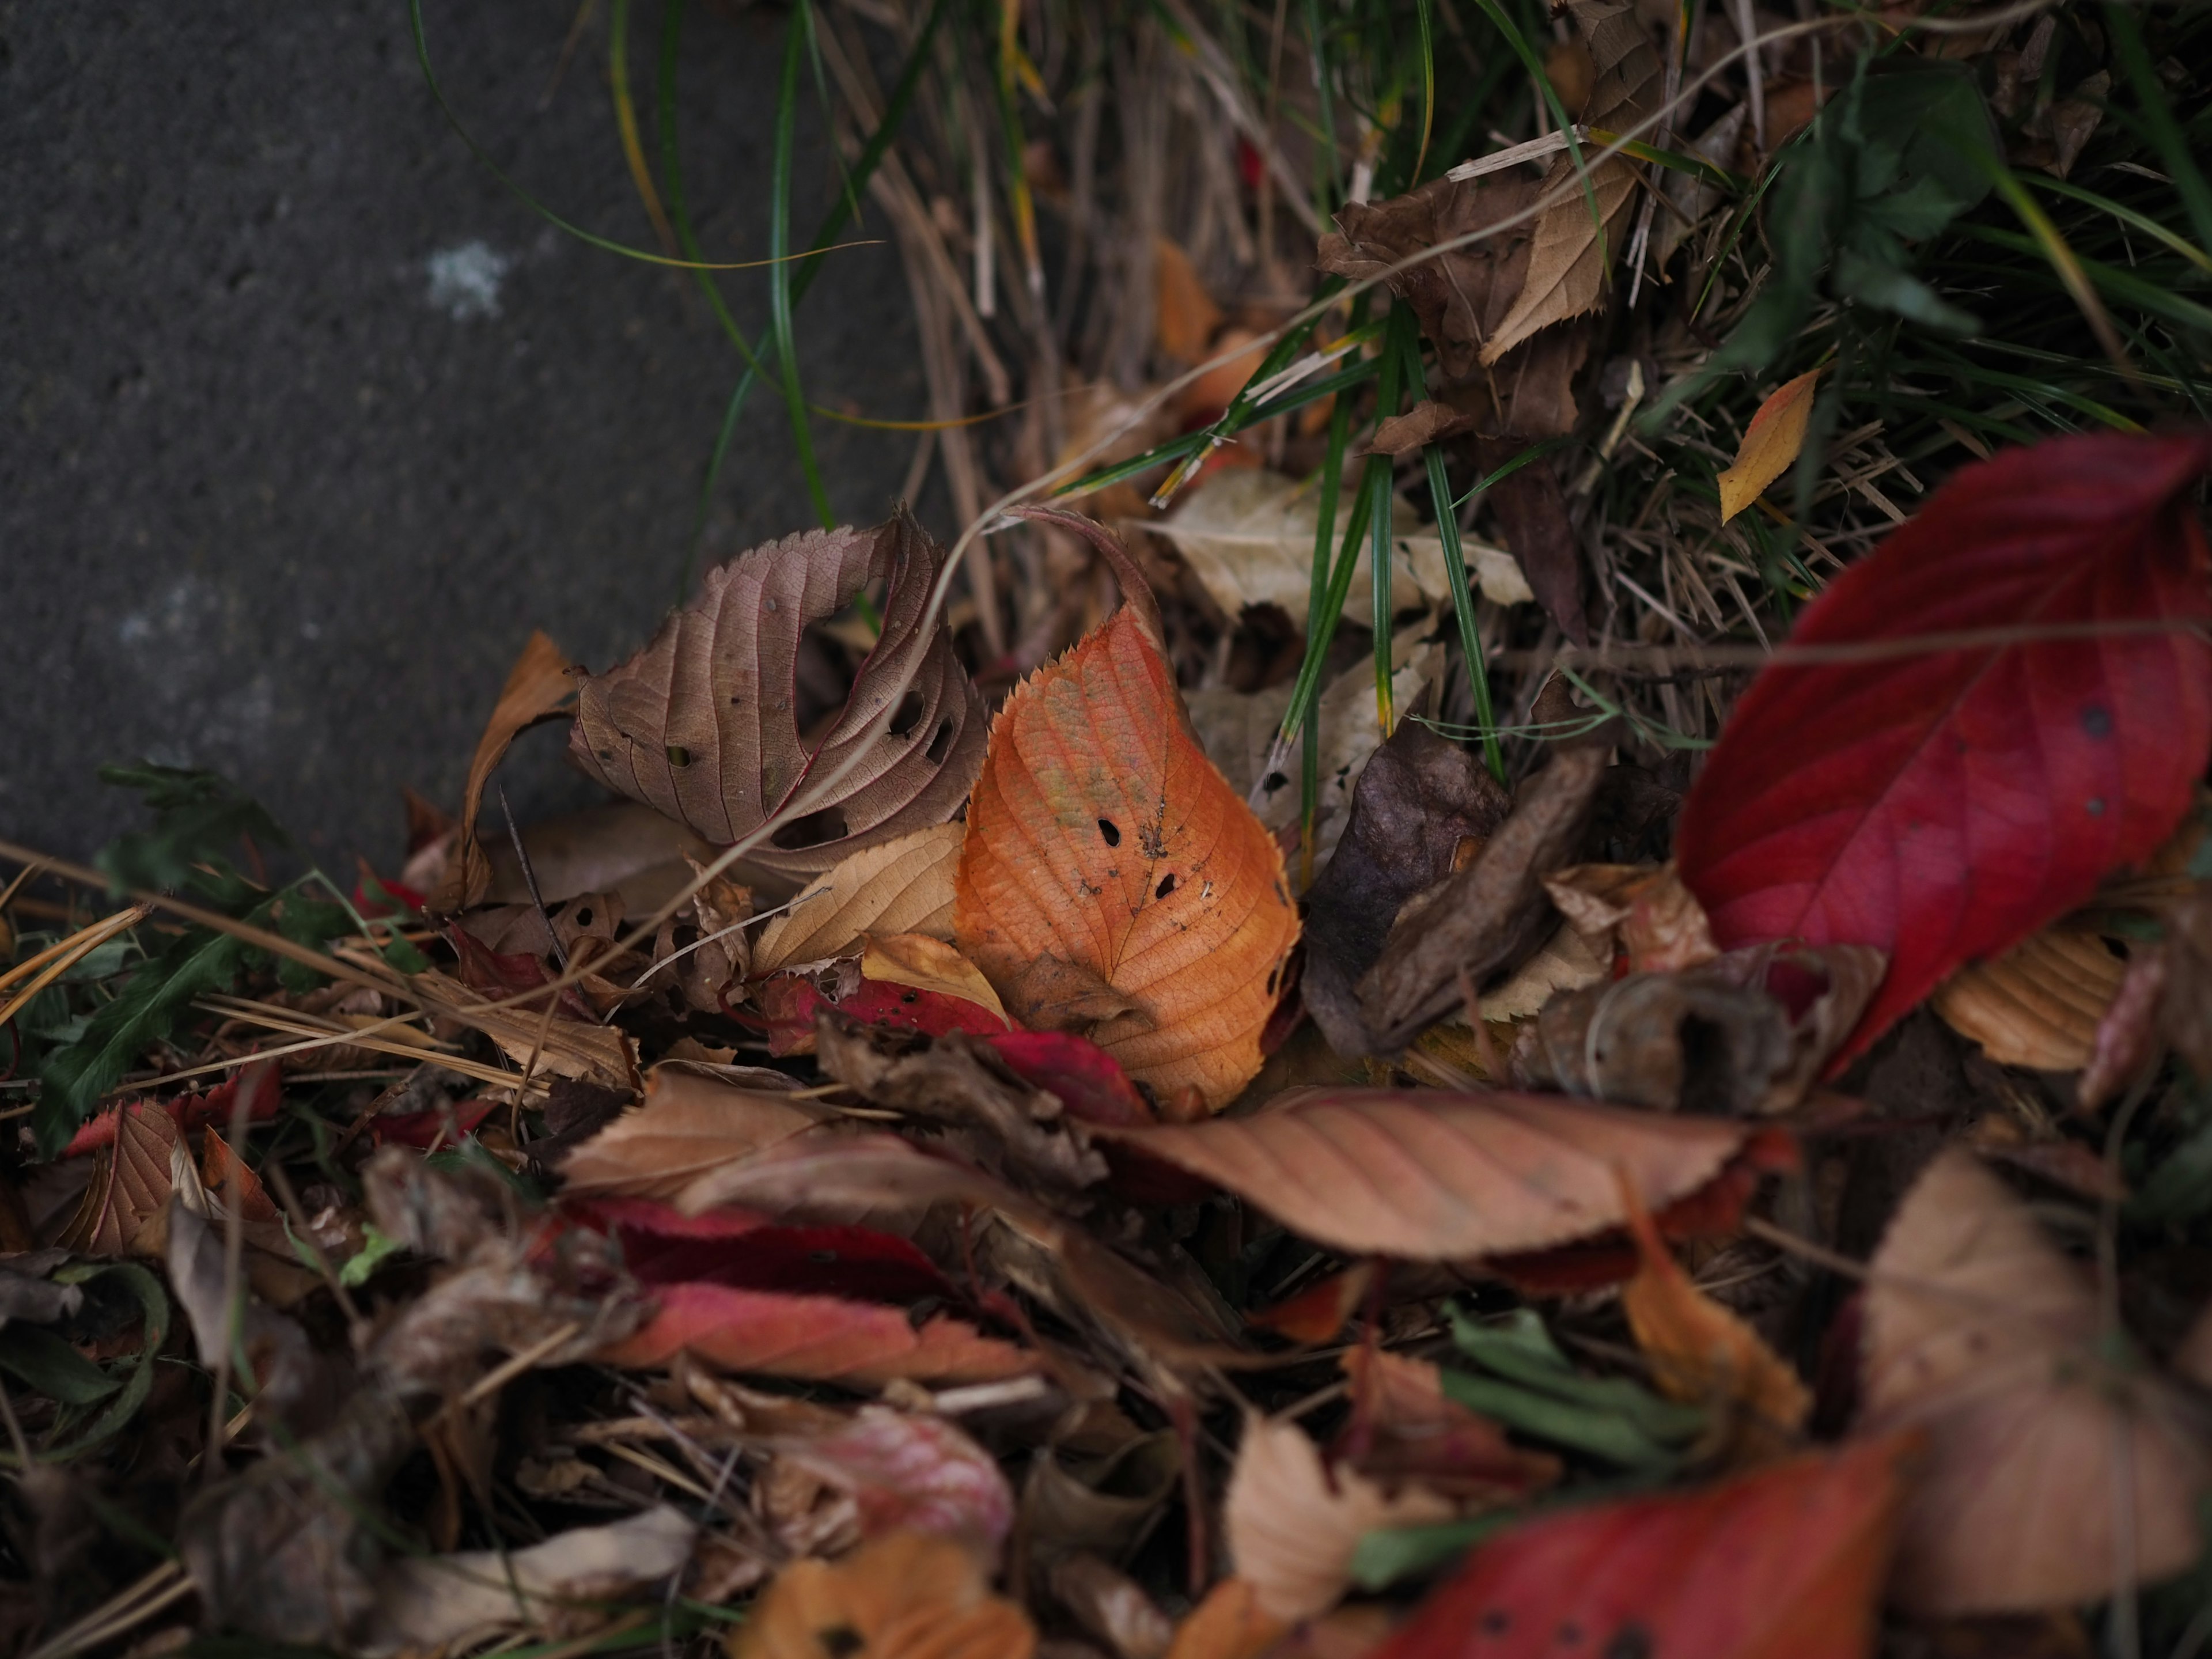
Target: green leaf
<point>154,1307</point>
<point>199,817</point>
<point>360,1267</point>
<point>51,1366</point>
<point>1888,289</point>
<point>1610,1417</point>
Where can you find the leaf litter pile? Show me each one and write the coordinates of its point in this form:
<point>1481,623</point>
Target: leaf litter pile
<point>1669,1118</point>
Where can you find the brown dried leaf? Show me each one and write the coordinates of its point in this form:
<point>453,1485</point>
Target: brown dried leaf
<point>1102,839</point>
<point>700,724</point>
<point>2049,1469</point>
<point>536,686</point>
<point>2039,1004</point>
<point>1433,1175</point>
<point>1531,514</point>
<point>586,1051</point>
<point>1567,264</point>
<point>688,1125</point>
<point>1647,912</point>
<point>1481,919</point>
<point>1420,800</point>
<point>905,1596</point>
<point>1293,1523</point>
<point>903,886</point>
<point>131,1182</point>
<point>1184,315</point>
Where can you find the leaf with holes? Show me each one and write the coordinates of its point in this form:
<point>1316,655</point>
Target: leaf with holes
<point>1111,882</point>
<point>1942,804</point>
<point>1434,1175</point>
<point>703,723</point>
<point>1787,1561</point>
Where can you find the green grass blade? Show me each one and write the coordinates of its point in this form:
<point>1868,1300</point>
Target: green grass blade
<point>1331,483</point>
<point>1534,64</point>
<point>1470,637</point>
<point>1402,371</point>
<point>779,290</point>
<point>2127,216</point>
<point>2165,134</point>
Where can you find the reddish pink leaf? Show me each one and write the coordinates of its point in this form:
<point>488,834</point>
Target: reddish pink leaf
<point>261,1082</point>
<point>1089,1081</point>
<point>819,1338</point>
<point>1943,806</point>
<point>791,1001</point>
<point>421,1129</point>
<point>738,1248</point>
<point>1784,1564</point>
<point>909,1474</point>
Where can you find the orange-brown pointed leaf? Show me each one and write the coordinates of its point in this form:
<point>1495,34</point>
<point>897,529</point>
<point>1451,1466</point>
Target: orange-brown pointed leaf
<point>536,686</point>
<point>687,1127</point>
<point>132,1180</point>
<point>904,1597</point>
<point>1230,1624</point>
<point>1770,443</point>
<point>1111,882</point>
<point>1434,1175</point>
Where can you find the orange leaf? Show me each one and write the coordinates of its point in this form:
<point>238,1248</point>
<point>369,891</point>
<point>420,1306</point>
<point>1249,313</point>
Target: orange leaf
<point>906,1596</point>
<point>1228,1624</point>
<point>1111,881</point>
<point>1770,443</point>
<point>1433,1175</point>
<point>536,686</point>
<point>1784,1564</point>
<point>1184,315</point>
<point>1984,1336</point>
<point>820,1339</point>
<point>1701,1351</point>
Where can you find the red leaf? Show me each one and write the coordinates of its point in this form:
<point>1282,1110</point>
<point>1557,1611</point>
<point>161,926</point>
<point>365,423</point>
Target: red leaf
<point>820,1339</point>
<point>738,1249</point>
<point>261,1081</point>
<point>1944,804</point>
<point>422,1129</point>
<point>1784,1564</point>
<point>1089,1081</point>
<point>791,1001</point>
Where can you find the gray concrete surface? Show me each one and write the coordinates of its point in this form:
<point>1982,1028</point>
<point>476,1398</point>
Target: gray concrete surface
<point>305,422</point>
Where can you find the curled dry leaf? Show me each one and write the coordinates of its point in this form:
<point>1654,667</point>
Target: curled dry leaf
<point>1770,443</point>
<point>1249,536</point>
<point>2039,1005</point>
<point>1482,918</point>
<point>902,886</point>
<point>1646,912</point>
<point>433,1603</point>
<point>687,1127</point>
<point>905,1596</point>
<point>701,724</point>
<point>1110,878</point>
<point>2053,1472</point>
<point>1572,250</point>
<point>1293,1523</point>
<point>1744,1033</point>
<point>1787,1560</point>
<point>1871,802</point>
<point>1434,1175</point>
<point>1239,729</point>
<point>536,686</point>
<point>1704,1353</point>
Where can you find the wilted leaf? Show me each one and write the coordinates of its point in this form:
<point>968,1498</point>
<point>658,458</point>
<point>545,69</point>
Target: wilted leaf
<point>1239,729</point>
<point>1702,1352</point>
<point>1568,260</point>
<point>1788,1560</point>
<point>261,1082</point>
<point>536,686</point>
<point>818,1339</point>
<point>905,1596</point>
<point>1565,961</point>
<point>1483,918</point>
<point>1770,443</point>
<point>1100,1499</point>
<point>2039,1004</point>
<point>1744,1033</point>
<point>903,886</point>
<point>1293,1523</point>
<point>2054,1470</point>
<point>1433,1175</point>
<point>1249,536</point>
<point>700,724</point>
<point>435,1603</point>
<point>1876,802</point>
<point>1110,878</point>
<point>1421,804</point>
<point>687,1127</point>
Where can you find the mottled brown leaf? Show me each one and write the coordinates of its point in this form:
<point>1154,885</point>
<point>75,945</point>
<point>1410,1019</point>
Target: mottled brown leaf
<point>702,723</point>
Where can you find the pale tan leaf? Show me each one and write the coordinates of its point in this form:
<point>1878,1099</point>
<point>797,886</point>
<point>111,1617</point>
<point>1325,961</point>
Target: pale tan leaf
<point>1569,260</point>
<point>2039,1004</point>
<point>1249,535</point>
<point>688,1125</point>
<point>701,724</point>
<point>1564,963</point>
<point>927,964</point>
<point>561,1047</point>
<point>537,685</point>
<point>1238,728</point>
<point>903,886</point>
<point>907,1596</point>
<point>1101,840</point>
<point>1434,1175</point>
<point>2053,1472</point>
<point>1293,1523</point>
<point>1769,446</point>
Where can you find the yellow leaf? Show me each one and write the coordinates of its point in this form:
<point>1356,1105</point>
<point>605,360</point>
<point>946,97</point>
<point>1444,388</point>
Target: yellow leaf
<point>1770,445</point>
<point>927,964</point>
<point>903,886</point>
<point>2039,1004</point>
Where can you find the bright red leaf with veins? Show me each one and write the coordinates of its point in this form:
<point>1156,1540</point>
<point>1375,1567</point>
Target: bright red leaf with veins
<point>1787,1563</point>
<point>1943,805</point>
